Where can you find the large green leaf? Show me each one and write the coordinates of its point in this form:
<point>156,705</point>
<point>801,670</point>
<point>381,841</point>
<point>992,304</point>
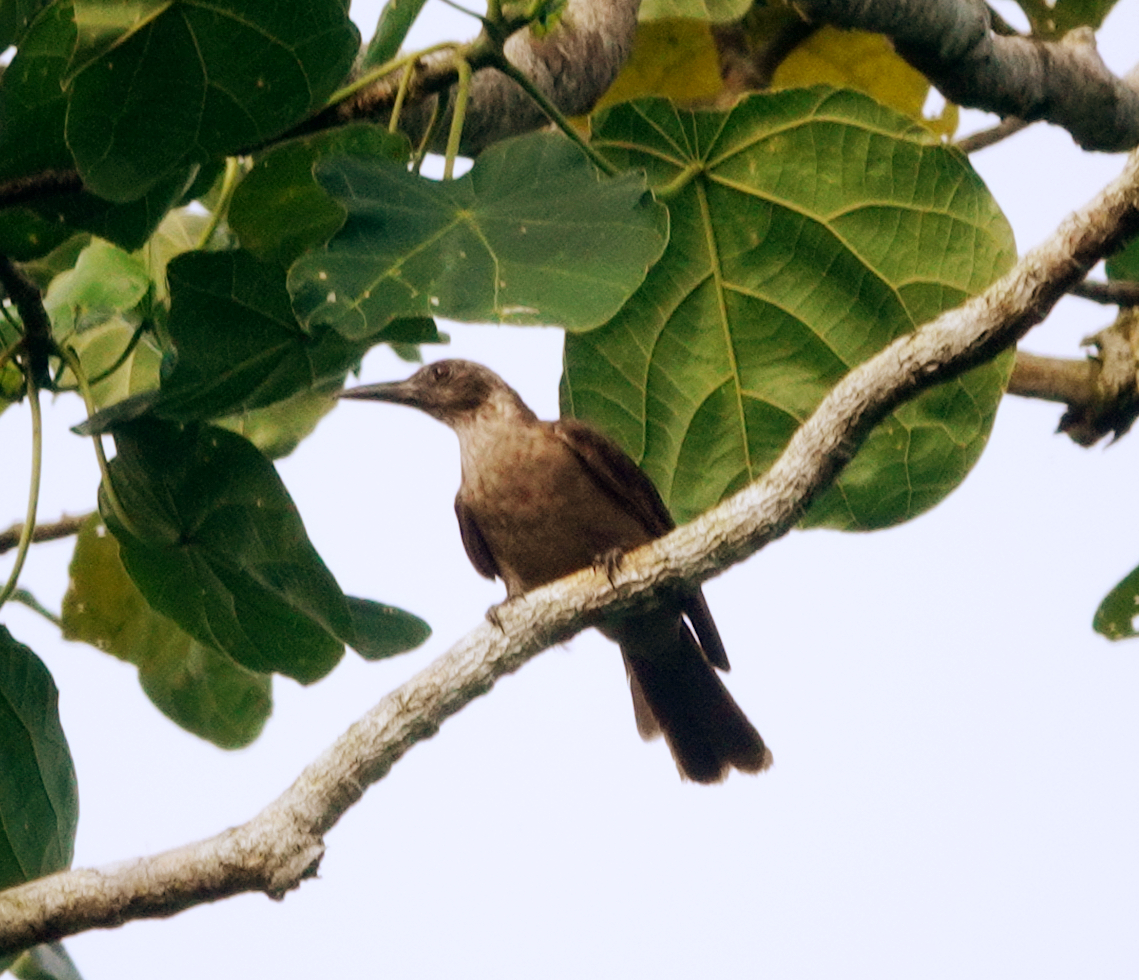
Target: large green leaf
<point>48,961</point>
<point>39,800</point>
<point>216,544</point>
<point>533,234</point>
<point>809,229</point>
<point>1118,614</point>
<point>279,210</point>
<point>33,111</point>
<point>194,80</point>
<point>196,686</point>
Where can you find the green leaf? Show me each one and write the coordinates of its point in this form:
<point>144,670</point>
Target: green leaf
<point>1055,20</point>
<point>1124,264</point>
<point>383,631</point>
<point>198,80</point>
<point>216,544</point>
<point>47,962</point>
<point>240,346</point>
<point>395,21</point>
<point>278,429</point>
<point>279,210</point>
<point>107,346</point>
<point>809,229</point>
<point>533,234</point>
<point>39,800</point>
<point>15,17</point>
<point>1117,615</point>
<point>711,11</point>
<point>197,687</point>
<point>105,280</point>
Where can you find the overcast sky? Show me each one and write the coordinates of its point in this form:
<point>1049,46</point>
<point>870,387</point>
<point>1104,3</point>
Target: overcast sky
<point>955,787</point>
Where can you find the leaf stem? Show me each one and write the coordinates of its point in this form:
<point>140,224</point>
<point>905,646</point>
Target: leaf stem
<point>370,77</point>
<point>108,486</point>
<point>33,485</point>
<point>460,114</point>
<point>507,68</point>
<point>229,185</point>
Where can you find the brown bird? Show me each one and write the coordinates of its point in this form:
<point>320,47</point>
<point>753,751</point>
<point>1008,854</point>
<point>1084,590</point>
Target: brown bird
<point>539,500</point>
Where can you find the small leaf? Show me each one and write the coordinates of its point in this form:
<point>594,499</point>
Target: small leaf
<point>532,235</point>
<point>809,229</point>
<point>1124,264</point>
<point>105,280</point>
<point>216,544</point>
<point>1118,614</point>
<point>279,210</point>
<point>395,21</point>
<point>197,687</point>
<point>46,962</point>
<point>383,631</point>
<point>39,801</point>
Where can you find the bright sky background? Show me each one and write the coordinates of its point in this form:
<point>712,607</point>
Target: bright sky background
<point>955,788</point>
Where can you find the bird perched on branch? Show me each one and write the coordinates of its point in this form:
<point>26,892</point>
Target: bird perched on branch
<point>539,500</point>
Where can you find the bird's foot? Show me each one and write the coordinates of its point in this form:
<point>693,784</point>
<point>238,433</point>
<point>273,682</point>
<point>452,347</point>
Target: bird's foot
<point>610,563</point>
<point>494,618</point>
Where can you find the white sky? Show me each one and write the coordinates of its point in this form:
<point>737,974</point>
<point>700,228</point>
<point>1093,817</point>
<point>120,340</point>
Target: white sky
<point>955,787</point>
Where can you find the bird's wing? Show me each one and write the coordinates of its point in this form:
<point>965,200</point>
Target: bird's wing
<point>619,476</point>
<point>613,471</point>
<point>477,550</point>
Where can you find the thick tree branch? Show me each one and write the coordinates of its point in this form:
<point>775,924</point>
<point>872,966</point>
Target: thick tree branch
<point>281,846</point>
<point>573,66</point>
<point>950,42</point>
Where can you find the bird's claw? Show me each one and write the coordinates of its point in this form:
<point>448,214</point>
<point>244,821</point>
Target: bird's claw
<point>610,563</point>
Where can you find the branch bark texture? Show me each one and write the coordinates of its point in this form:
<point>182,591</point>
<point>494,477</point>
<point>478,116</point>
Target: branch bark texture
<point>281,846</point>
<point>951,43</point>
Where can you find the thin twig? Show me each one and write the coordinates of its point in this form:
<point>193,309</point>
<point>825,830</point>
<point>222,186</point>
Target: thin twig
<point>65,527</point>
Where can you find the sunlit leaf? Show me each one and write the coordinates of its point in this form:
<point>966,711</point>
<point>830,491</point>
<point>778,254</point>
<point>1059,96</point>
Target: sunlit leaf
<point>1118,614</point>
<point>808,230</point>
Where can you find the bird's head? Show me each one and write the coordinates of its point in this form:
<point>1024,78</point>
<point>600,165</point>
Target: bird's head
<point>451,391</point>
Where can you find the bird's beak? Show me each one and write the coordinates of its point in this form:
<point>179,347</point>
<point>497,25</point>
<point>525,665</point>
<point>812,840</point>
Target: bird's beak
<point>399,392</point>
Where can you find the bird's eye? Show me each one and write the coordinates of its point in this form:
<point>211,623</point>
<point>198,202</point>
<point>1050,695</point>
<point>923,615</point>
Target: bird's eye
<point>440,371</point>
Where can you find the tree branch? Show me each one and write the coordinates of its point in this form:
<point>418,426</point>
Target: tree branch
<point>572,66</point>
<point>1101,391</point>
<point>1117,293</point>
<point>63,528</point>
<point>950,42</point>
<point>282,845</point>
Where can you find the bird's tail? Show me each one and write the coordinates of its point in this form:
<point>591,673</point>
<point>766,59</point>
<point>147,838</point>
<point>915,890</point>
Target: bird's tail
<point>677,693</point>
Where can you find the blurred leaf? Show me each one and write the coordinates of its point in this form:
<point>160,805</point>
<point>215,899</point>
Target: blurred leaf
<point>26,235</point>
<point>1054,20</point>
<point>39,800</point>
<point>217,545</point>
<point>47,962</point>
<point>395,21</point>
<point>279,210</point>
<point>105,280</point>
<point>190,83</point>
<point>278,429</point>
<point>46,267</point>
<point>712,11</point>
<point>866,63</point>
<point>1124,264</point>
<point>197,687</point>
<point>181,231</point>
<point>675,59</point>
<point>815,228</point>
<point>532,235</point>
<point>1116,616</point>
<point>383,631</point>
<point>102,348</point>
<point>15,16</point>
